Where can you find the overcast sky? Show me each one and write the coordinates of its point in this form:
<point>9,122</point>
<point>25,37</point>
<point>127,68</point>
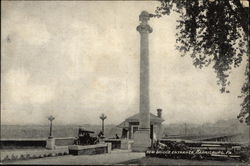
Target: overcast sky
<point>76,60</point>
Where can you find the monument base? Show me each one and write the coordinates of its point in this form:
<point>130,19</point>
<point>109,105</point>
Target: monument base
<point>141,140</point>
<point>90,149</point>
<point>50,143</point>
<point>126,144</point>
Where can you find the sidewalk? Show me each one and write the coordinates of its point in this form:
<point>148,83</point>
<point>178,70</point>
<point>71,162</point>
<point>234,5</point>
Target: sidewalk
<point>116,156</point>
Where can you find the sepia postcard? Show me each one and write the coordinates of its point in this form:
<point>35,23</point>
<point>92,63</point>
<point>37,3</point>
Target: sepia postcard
<point>125,82</point>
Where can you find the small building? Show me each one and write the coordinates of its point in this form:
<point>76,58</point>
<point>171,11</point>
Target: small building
<point>131,125</point>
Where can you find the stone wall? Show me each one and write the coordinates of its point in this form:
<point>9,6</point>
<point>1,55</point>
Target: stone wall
<point>64,141</point>
<point>30,143</point>
<point>90,149</point>
<point>23,143</point>
<point>115,143</point>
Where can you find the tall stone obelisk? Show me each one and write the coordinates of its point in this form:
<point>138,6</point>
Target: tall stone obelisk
<point>142,136</point>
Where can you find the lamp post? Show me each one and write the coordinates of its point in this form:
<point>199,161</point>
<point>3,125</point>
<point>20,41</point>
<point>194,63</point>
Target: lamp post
<point>103,117</point>
<point>50,118</point>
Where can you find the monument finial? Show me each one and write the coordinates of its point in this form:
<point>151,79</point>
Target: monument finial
<point>144,16</point>
<point>144,27</point>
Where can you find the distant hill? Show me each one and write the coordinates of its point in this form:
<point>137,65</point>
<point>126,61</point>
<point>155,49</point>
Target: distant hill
<point>221,127</point>
<point>42,131</point>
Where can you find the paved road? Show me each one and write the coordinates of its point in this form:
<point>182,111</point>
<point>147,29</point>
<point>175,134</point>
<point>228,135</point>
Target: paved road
<point>161,161</point>
<point>116,156</point>
<point>120,157</point>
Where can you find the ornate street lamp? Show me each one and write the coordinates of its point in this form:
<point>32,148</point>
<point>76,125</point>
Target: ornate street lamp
<point>51,118</point>
<point>103,117</point>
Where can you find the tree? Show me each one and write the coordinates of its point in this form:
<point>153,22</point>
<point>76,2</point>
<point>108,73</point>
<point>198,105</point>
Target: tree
<point>214,33</point>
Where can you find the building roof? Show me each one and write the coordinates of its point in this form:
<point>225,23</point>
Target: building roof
<point>135,118</point>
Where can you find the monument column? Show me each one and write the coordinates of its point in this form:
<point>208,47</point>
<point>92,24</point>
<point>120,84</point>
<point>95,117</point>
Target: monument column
<point>142,136</point>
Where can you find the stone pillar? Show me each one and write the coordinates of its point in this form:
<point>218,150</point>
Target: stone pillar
<point>160,131</point>
<point>142,136</point>
<point>50,143</point>
<point>109,147</point>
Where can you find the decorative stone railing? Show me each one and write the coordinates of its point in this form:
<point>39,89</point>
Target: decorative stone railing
<point>32,154</point>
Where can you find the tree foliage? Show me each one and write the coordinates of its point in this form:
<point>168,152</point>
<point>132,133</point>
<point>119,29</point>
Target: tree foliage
<point>214,33</point>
